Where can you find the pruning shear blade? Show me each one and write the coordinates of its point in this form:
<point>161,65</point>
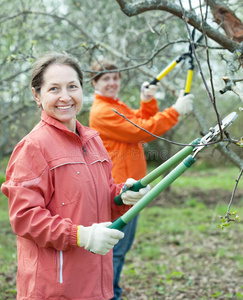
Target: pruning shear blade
<point>215,131</point>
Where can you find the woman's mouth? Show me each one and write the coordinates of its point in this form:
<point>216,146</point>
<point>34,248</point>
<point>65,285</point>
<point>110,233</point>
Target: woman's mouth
<point>64,107</point>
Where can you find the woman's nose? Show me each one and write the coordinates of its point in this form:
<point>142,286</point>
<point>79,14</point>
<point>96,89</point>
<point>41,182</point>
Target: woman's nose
<point>112,81</point>
<point>65,95</point>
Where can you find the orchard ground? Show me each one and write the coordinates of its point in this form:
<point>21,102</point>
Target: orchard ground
<point>179,251</point>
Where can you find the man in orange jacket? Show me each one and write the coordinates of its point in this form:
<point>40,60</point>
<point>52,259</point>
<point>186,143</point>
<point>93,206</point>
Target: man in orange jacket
<point>124,141</point>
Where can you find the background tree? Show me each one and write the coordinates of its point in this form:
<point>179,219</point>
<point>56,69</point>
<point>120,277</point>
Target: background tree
<point>143,37</point>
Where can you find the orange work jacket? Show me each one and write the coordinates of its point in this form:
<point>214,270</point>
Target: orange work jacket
<point>123,140</point>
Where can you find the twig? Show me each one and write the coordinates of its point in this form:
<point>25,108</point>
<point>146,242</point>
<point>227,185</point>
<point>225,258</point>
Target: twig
<point>126,59</point>
<point>212,98</point>
<point>172,142</point>
<point>230,85</point>
<point>233,194</point>
<point>154,135</point>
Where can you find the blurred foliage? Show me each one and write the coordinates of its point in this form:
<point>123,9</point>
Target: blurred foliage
<point>92,30</point>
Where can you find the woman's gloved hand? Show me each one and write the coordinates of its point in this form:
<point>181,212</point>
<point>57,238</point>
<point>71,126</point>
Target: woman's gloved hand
<point>98,238</point>
<point>184,103</point>
<point>131,197</point>
<point>148,91</point>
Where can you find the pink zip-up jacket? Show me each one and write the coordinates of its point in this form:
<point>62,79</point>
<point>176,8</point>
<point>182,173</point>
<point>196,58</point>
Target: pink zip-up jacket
<point>55,181</point>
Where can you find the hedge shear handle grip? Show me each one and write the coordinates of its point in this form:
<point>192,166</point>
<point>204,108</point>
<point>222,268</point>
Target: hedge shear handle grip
<point>143,182</point>
<point>188,82</point>
<point>136,187</point>
<point>166,70</point>
<point>154,81</point>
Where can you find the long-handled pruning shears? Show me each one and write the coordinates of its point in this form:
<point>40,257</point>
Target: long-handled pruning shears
<point>171,65</point>
<point>187,154</point>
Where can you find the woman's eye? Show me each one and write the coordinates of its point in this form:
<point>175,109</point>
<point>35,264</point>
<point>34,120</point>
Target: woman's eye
<point>53,89</point>
<point>72,86</point>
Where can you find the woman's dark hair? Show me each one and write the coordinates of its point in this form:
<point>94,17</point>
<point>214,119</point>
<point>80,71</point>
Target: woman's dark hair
<point>100,67</point>
<point>52,58</point>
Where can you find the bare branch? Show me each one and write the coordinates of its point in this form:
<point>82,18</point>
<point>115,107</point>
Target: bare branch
<point>219,141</point>
<point>233,194</point>
<point>233,157</point>
<point>232,25</point>
<point>200,68</point>
<point>139,7</point>
<point>230,85</point>
<point>127,59</point>
<point>150,133</point>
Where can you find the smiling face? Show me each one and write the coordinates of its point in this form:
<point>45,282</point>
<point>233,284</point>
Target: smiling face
<point>108,84</point>
<point>61,94</point>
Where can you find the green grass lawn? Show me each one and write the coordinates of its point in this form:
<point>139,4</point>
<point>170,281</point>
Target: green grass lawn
<point>179,251</point>
<point>8,253</point>
<point>222,178</point>
<point>209,178</point>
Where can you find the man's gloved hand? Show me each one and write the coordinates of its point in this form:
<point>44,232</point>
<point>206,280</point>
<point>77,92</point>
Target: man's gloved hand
<point>148,91</point>
<point>184,104</point>
<point>131,197</point>
<point>98,238</point>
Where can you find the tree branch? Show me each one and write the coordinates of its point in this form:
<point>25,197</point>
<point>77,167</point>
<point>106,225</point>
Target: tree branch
<point>233,194</point>
<point>139,7</point>
<point>230,85</point>
<point>232,25</point>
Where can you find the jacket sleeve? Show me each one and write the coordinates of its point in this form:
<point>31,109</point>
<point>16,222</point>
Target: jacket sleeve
<point>117,210</point>
<point>29,188</point>
<point>112,126</point>
<point>147,110</point>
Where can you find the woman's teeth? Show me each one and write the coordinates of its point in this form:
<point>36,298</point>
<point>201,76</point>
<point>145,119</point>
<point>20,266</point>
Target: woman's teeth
<point>64,107</point>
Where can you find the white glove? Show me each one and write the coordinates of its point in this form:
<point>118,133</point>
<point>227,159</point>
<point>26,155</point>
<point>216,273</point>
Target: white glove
<point>148,91</point>
<point>184,104</point>
<point>131,197</point>
<point>98,238</point>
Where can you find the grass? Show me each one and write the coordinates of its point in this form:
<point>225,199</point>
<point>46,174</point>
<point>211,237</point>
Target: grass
<point>179,252</point>
<point>8,255</point>
<point>209,178</point>
<point>223,178</point>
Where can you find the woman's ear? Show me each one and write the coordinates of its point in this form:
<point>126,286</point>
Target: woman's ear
<point>37,100</point>
<point>93,82</point>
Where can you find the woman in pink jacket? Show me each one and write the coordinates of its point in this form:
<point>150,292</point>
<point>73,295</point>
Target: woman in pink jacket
<point>61,193</point>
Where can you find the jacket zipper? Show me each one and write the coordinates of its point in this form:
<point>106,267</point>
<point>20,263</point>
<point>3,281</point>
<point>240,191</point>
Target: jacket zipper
<point>60,275</point>
<point>85,151</point>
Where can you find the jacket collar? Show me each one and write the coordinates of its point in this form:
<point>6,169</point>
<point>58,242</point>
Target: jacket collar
<point>101,97</point>
<point>85,133</point>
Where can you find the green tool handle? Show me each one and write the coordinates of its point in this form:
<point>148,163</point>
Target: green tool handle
<point>149,197</point>
<point>175,159</point>
<point>136,187</point>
